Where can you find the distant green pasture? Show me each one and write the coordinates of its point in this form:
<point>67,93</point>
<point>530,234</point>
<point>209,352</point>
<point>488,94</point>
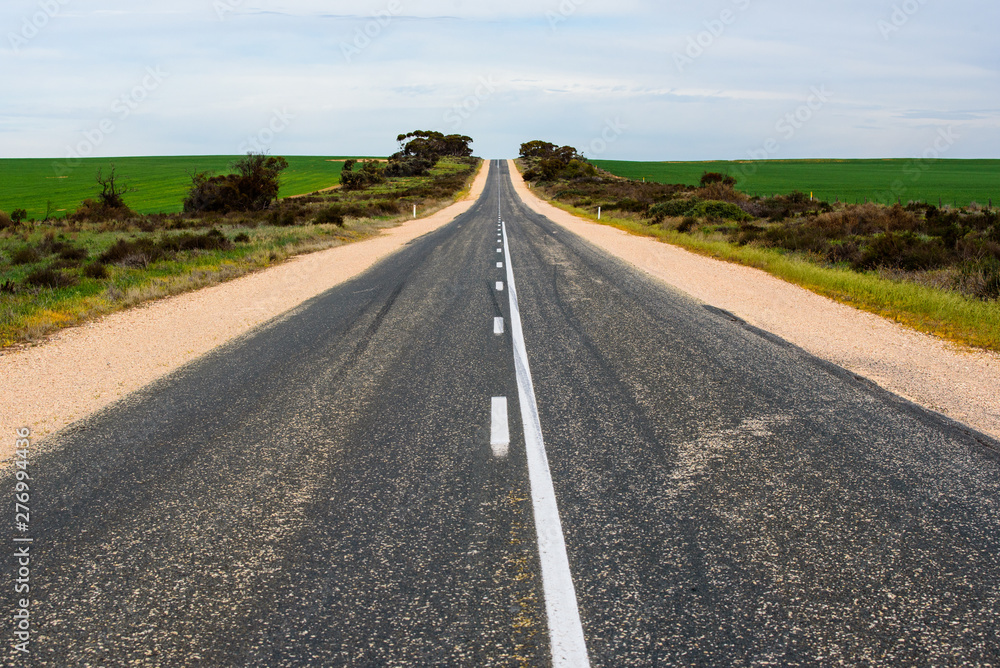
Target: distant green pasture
<point>952,182</point>
<point>160,183</point>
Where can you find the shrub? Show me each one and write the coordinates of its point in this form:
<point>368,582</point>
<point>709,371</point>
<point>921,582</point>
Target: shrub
<point>253,186</point>
<point>716,210</point>
<point>49,278</point>
<point>578,169</point>
<point>6,221</point>
<point>139,253</point>
<point>405,166</point>
<point>73,253</point>
<point>25,255</point>
<point>708,178</point>
<point>95,211</point>
<point>687,224</point>
<point>242,238</point>
<point>281,217</point>
<point>332,214</point>
<point>674,207</point>
<point>211,240</point>
<point>371,173</point>
<point>18,215</point>
<point>95,270</point>
<point>628,204</point>
<point>903,250</point>
<point>110,202</point>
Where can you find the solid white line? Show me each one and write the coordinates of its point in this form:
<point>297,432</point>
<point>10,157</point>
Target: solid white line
<point>499,428</point>
<point>498,326</point>
<point>569,647</point>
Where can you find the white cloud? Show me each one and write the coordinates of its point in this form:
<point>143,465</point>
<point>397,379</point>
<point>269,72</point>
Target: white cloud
<point>602,60</point>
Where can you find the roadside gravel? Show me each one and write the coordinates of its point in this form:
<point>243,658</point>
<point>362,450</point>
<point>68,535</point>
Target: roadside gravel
<point>83,369</point>
<point>962,384</point>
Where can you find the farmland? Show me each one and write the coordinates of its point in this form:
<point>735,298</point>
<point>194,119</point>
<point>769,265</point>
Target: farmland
<point>160,182</point>
<point>939,182</point>
<point>934,268</point>
<point>67,270</point>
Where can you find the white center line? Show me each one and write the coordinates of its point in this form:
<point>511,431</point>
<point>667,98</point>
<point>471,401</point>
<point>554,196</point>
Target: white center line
<point>500,428</point>
<point>569,647</point>
<point>499,286</point>
<point>498,326</point>
<point>499,265</point>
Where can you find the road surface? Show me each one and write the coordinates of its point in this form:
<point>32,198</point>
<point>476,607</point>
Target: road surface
<point>350,486</point>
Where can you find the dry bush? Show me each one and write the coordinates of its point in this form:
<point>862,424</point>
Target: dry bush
<point>722,192</point>
<point>866,220</point>
<point>50,278</point>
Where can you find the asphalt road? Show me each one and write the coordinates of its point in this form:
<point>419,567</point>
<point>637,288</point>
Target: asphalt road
<point>331,490</point>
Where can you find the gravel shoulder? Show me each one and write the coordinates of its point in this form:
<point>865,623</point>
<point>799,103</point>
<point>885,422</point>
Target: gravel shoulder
<point>959,383</point>
<point>84,369</point>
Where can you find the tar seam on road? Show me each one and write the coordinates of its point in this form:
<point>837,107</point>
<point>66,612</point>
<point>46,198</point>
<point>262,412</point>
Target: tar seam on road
<point>569,647</point>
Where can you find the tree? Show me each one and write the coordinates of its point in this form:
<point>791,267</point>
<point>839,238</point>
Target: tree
<point>113,191</point>
<point>547,162</point>
<point>110,203</point>
<point>434,145</point>
<point>537,149</point>
<point>253,186</point>
<point>371,173</point>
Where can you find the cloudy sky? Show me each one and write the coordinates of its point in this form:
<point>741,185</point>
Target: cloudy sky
<point>618,79</point>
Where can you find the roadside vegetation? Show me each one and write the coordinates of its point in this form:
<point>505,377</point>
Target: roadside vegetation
<point>104,257</point>
<point>935,269</point>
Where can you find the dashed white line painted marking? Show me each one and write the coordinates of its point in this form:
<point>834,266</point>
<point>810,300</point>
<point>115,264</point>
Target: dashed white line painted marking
<point>498,326</point>
<point>499,250</point>
<point>499,265</point>
<point>500,428</point>
<point>569,646</point>
<point>499,286</point>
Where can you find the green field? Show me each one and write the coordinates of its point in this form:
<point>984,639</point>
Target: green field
<point>949,182</point>
<point>160,182</point>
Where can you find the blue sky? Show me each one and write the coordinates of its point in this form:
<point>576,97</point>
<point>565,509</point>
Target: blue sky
<point>629,79</point>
